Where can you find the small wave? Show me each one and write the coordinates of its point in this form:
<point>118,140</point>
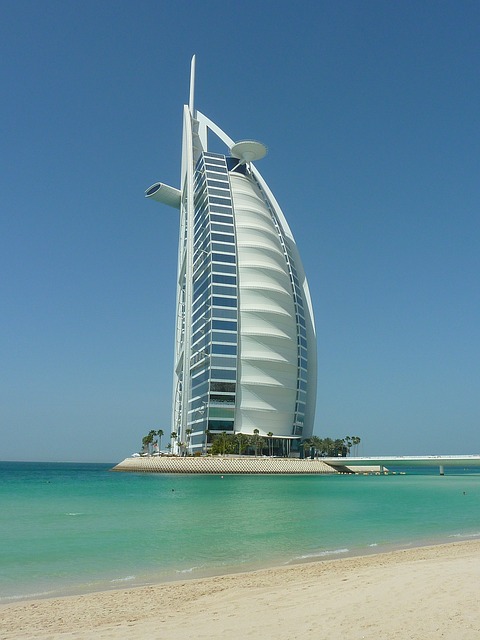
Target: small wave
<point>374,544</point>
<point>186,570</point>
<point>322,554</point>
<point>74,513</point>
<point>126,579</point>
<point>26,596</point>
<point>465,535</point>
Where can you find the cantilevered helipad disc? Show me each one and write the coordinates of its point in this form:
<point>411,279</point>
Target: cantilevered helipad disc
<point>248,150</point>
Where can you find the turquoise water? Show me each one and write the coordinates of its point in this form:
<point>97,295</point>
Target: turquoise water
<point>70,528</point>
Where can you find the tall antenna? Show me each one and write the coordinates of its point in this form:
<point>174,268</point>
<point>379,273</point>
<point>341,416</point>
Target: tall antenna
<point>192,86</point>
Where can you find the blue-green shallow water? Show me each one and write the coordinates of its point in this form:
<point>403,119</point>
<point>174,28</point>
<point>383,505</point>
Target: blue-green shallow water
<point>69,528</point>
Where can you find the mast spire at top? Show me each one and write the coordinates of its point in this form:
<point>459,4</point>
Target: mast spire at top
<point>192,87</point>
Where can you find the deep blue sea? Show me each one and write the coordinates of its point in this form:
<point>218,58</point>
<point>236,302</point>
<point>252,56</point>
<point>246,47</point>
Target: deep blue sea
<point>73,528</point>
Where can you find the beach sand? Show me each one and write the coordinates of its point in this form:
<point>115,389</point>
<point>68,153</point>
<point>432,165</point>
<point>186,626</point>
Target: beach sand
<point>421,593</point>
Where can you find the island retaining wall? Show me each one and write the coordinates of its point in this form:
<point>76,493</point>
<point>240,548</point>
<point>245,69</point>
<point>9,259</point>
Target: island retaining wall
<point>224,465</point>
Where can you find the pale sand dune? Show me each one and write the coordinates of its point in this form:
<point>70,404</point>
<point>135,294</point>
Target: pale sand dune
<point>424,593</point>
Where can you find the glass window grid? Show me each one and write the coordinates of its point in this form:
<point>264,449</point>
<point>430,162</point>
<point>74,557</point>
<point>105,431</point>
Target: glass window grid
<point>220,269</point>
<point>200,265</point>
<point>224,325</point>
<point>230,314</point>
<point>200,376</point>
<point>225,248</point>
<point>200,262</point>
<point>220,425</point>
<point>223,237</point>
<point>221,412</point>
<point>223,257</point>
<point>220,278</point>
<point>224,349</point>
<point>199,217</point>
<point>199,227</point>
<point>223,336</point>
<point>222,193</point>
<point>197,315</point>
<point>217,175</point>
<point>217,200</point>
<point>200,351</point>
<point>223,361</point>
<point>201,301</point>
<point>202,246</point>
<point>221,301</point>
<point>200,285</point>
<point>221,224</point>
<point>201,241</point>
<point>198,335</point>
<point>200,200</point>
<point>201,326</point>
<point>198,401</point>
<point>223,387</point>
<point>223,374</point>
<point>224,290</point>
<point>199,181</point>
<point>218,398</point>
<point>223,267</point>
<point>204,267</point>
<point>215,159</point>
<point>218,184</point>
<point>221,228</point>
<point>221,210</point>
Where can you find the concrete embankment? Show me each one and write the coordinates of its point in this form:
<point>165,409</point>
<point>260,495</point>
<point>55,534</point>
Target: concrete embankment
<point>224,465</point>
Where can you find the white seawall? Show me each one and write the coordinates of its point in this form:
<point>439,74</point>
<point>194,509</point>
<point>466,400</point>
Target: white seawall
<point>221,465</point>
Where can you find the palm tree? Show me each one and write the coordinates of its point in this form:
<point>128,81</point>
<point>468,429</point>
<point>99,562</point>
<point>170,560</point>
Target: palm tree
<point>356,441</point>
<point>223,443</point>
<point>223,438</point>
<point>256,440</point>
<point>328,446</point>
<point>160,434</point>
<point>317,444</point>
<point>348,443</point>
<point>307,447</point>
<point>242,440</point>
<point>173,437</point>
<point>339,447</point>
<point>145,443</point>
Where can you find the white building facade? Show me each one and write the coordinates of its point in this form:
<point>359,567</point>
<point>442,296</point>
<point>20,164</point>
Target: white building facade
<point>245,349</point>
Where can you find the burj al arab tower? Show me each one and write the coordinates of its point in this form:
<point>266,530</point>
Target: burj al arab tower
<point>245,344</point>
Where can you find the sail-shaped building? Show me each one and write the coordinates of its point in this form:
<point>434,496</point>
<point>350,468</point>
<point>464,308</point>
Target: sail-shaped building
<point>245,344</point>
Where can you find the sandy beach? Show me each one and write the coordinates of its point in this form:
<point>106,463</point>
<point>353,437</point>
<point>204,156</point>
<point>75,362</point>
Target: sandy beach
<point>421,593</point>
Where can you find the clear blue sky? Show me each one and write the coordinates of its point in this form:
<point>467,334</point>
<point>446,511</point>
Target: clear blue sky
<point>370,111</point>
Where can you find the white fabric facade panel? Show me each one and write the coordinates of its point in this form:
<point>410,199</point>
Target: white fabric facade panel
<point>267,363</point>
